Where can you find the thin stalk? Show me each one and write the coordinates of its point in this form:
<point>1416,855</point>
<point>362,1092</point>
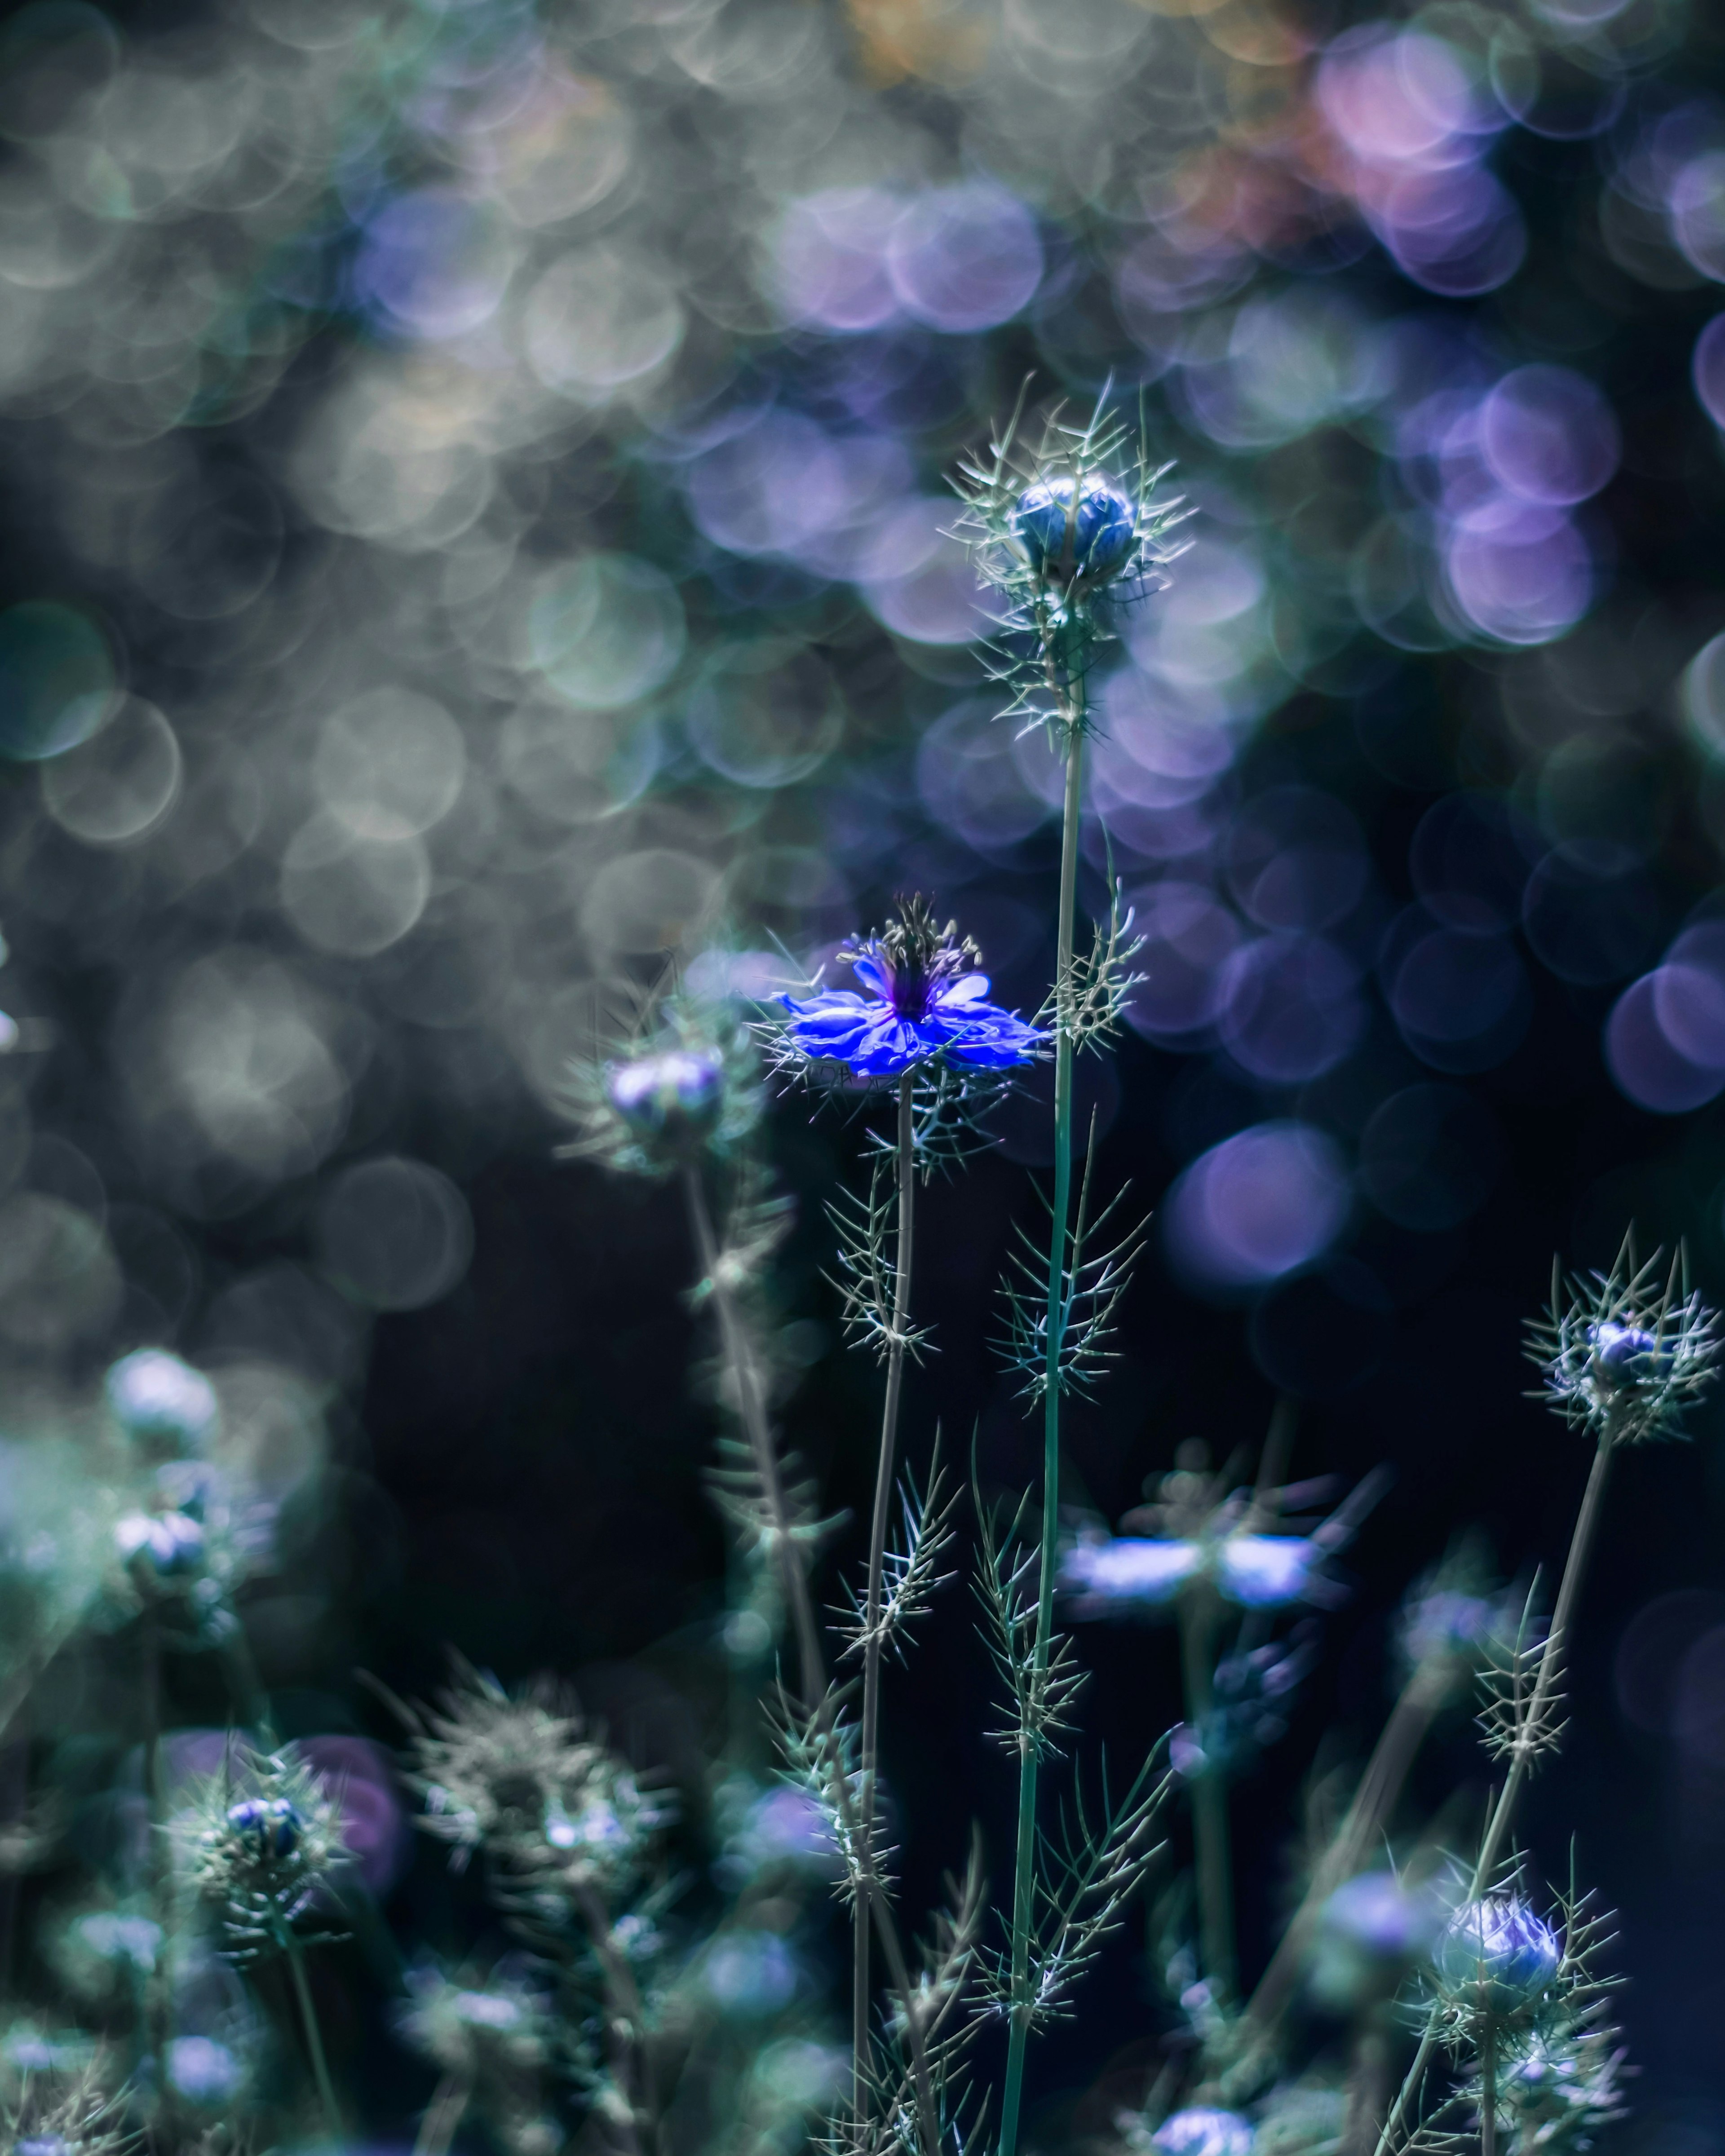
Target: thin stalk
<point>1024,1879</point>
<point>903,1253</point>
<point>443,2115</point>
<point>1550,1663</point>
<point>628,2013</point>
<point>814,1691</point>
<point>157,2031</point>
<point>1373,1802</point>
<point>314,2039</point>
<point>1488,2095</point>
<point>753,1410</point>
<point>1209,1799</point>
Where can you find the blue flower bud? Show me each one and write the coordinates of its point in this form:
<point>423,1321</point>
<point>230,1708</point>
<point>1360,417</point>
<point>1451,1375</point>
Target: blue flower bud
<point>169,1544</point>
<point>270,1827</point>
<point>677,1094</point>
<point>1203,2132</point>
<point>1104,531</point>
<point>1626,1356</point>
<point>157,1398</point>
<point>486,2009</point>
<point>1497,1955</point>
<point>42,2144</point>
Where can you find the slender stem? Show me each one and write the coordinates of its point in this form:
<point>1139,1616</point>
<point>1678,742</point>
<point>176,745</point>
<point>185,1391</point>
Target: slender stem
<point>156,2030</point>
<point>816,1697</point>
<point>1550,1663</point>
<point>883,1467</point>
<point>443,2115</point>
<point>1209,1797</point>
<point>751,1408</point>
<point>1024,1880</point>
<point>1488,2093</point>
<point>627,2015</point>
<point>1373,1802</point>
<point>314,2039</point>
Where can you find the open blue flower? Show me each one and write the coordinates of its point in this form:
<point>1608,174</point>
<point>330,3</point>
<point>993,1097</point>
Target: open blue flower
<point>924,1001</point>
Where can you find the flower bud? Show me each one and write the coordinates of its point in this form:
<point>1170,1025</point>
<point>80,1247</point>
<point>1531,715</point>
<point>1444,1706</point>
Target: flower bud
<point>158,1399</point>
<point>676,1095</point>
<point>1496,1956</point>
<point>1627,1356</point>
<point>1203,2132</point>
<point>269,1826</point>
<point>1103,531</point>
<point>203,2070</point>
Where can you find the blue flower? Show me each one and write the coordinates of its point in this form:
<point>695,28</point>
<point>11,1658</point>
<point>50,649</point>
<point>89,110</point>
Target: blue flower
<point>1628,1356</point>
<point>924,1002</point>
<point>201,2070</point>
<point>169,1544</point>
<point>1202,2132</point>
<point>1104,531</point>
<point>1257,1572</point>
<point>1496,1956</point>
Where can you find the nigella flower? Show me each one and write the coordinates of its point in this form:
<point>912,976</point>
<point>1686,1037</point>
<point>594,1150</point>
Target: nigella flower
<point>477,2023</point>
<point>924,1003</point>
<point>1495,1958</point>
<point>203,2071</point>
<point>1622,1353</point>
<point>262,1850</point>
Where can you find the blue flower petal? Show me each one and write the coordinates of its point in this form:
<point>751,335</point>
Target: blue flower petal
<point>1130,1572</point>
<point>1266,1572</point>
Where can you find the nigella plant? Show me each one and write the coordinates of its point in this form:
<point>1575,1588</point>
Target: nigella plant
<point>1064,533</point>
<point>261,1842</point>
<point>920,1022</point>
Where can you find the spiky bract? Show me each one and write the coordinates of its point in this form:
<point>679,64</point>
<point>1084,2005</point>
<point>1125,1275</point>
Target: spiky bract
<point>1622,1353</point>
<point>685,1088</point>
<point>262,1841</point>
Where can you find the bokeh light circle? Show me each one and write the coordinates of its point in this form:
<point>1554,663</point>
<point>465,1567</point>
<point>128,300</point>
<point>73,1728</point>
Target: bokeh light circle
<point>57,680</point>
<point>120,784</point>
<point>1261,1204</point>
<point>394,1233</point>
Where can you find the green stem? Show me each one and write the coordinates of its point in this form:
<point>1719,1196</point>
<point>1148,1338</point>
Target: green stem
<point>314,2039</point>
<point>1550,1663</point>
<point>868,1760</point>
<point>751,1409</point>
<point>1024,1880</point>
<point>1488,2094</point>
<point>1209,1797</point>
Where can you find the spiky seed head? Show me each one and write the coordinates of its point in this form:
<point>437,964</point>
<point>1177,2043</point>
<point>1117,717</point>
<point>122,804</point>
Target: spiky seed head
<point>1496,1957</point>
<point>159,1400</point>
<point>1202,2132</point>
<point>1623,1354</point>
<point>688,1088</point>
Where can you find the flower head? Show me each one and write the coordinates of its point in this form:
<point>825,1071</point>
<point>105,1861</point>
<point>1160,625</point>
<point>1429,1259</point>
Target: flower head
<point>688,1088</point>
<point>261,1850</point>
<point>1623,1354</point>
<point>1077,528</point>
<point>1202,2132</point>
<point>203,2071</point>
<point>159,1400</point>
<point>1496,1957</point>
<point>924,1002</point>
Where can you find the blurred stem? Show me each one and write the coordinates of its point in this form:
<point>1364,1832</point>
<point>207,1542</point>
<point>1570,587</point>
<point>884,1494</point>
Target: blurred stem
<point>751,1409</point>
<point>906,1175</point>
<point>1373,1802</point>
<point>314,2039</point>
<point>251,1702</point>
<point>1024,1869</point>
<point>627,2015</point>
<point>1209,1795</point>
<point>443,2115</point>
<point>156,2032</point>
<point>1550,1666</point>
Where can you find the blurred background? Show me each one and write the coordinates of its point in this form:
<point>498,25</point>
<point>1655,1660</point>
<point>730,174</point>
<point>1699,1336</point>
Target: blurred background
<point>473,494</point>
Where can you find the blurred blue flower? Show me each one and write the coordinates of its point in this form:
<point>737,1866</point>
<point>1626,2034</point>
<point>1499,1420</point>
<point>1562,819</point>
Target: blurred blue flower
<point>1628,1355</point>
<point>678,1093</point>
<point>1258,1572</point>
<point>1104,529</point>
<point>924,1002</point>
<point>750,1973</point>
<point>167,1544</point>
<point>1496,1956</point>
<point>201,2070</point>
<point>1201,2132</point>
<point>157,1397</point>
